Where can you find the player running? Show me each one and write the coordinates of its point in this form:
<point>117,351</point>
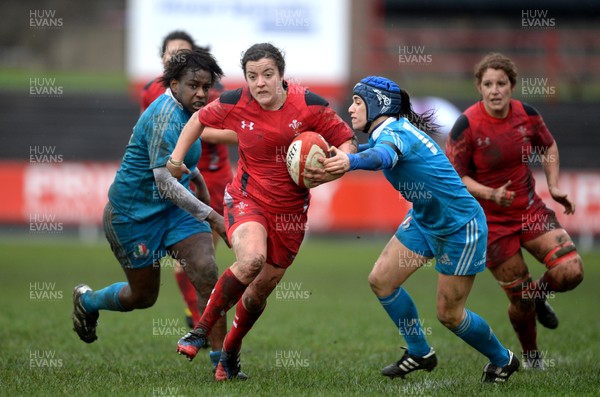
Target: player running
<point>445,223</point>
<point>149,213</point>
<point>214,165</point>
<point>265,116</point>
<point>490,145</point>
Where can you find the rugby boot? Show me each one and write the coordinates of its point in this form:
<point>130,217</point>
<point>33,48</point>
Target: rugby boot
<point>229,366</point>
<point>84,323</point>
<point>545,314</point>
<point>191,342</point>
<point>495,374</point>
<point>409,363</point>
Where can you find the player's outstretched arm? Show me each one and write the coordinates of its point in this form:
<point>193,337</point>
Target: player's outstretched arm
<point>192,131</point>
<point>227,137</point>
<point>376,158</point>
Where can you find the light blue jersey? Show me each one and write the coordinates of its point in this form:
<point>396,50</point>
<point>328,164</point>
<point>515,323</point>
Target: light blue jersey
<point>424,176</point>
<point>134,192</point>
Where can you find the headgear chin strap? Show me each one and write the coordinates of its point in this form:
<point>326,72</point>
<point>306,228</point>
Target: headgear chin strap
<point>381,97</point>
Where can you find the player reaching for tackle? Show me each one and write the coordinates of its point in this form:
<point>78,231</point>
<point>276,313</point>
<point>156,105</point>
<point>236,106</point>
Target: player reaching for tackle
<point>149,212</point>
<point>490,146</point>
<point>445,223</point>
<point>214,165</point>
<point>262,200</point>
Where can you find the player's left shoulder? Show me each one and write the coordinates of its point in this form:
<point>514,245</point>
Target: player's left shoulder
<point>312,99</point>
<point>525,107</point>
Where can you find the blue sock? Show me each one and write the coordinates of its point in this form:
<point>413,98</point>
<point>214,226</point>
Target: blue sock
<point>104,299</point>
<point>403,312</point>
<point>477,333</point>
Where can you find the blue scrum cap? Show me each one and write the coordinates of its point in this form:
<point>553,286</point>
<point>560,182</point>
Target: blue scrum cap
<point>381,97</point>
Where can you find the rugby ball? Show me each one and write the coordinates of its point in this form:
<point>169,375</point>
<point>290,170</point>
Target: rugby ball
<point>305,151</point>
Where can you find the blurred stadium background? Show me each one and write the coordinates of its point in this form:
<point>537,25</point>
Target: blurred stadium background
<point>71,72</point>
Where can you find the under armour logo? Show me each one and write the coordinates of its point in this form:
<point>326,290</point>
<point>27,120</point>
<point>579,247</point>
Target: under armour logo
<point>485,142</point>
<point>250,125</point>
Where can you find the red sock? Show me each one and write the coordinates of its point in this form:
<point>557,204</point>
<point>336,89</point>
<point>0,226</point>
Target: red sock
<point>525,328</point>
<point>242,323</point>
<point>226,293</point>
<point>189,294</point>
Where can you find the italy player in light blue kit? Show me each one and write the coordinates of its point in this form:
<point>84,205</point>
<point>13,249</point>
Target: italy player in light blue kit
<point>150,214</point>
<point>445,223</point>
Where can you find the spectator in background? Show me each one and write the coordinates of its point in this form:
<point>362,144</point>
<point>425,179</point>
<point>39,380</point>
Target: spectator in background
<point>490,145</point>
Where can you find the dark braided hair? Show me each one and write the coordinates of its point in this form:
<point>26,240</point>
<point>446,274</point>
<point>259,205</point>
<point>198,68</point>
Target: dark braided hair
<point>194,60</point>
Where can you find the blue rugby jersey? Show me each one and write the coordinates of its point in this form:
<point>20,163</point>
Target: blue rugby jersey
<point>134,191</point>
<point>422,173</point>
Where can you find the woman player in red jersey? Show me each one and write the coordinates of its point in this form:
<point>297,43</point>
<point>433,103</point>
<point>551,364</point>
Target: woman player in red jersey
<point>265,211</point>
<point>214,164</point>
<point>490,145</point>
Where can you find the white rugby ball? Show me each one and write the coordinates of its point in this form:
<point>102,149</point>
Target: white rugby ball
<point>305,151</point>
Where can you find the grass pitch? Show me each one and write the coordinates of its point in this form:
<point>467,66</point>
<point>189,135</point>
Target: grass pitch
<point>323,333</point>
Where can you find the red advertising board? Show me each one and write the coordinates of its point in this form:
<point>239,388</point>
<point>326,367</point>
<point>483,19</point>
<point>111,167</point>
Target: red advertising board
<point>75,194</point>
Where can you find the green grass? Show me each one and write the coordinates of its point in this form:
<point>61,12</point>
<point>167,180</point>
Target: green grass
<point>335,337</point>
<point>69,81</point>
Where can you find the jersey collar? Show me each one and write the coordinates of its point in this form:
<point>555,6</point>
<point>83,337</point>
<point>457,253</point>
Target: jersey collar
<point>375,133</point>
<point>170,94</point>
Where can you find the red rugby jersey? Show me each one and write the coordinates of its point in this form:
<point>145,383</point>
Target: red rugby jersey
<point>151,91</point>
<point>263,139</point>
<point>493,151</point>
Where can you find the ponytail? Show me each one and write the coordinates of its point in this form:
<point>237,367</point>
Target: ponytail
<point>423,121</point>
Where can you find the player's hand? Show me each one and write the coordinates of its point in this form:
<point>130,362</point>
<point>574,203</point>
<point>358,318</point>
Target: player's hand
<point>502,196</point>
<point>177,172</point>
<point>338,163</point>
<point>318,176</point>
<point>560,197</point>
<point>217,223</point>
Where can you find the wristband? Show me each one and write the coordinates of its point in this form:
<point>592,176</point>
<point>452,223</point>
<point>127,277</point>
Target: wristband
<point>174,163</point>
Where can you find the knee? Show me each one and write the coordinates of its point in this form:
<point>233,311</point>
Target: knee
<point>251,265</point>
<point>144,300</point>
<point>567,275</point>
<point>203,271</point>
<point>252,303</point>
<point>450,319</point>
<point>379,284</point>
